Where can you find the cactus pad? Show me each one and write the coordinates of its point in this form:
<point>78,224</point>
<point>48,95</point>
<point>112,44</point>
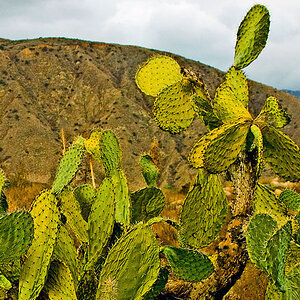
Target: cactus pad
<point>291,199</point>
<point>45,216</point>
<point>85,195</point>
<point>70,208</point>
<point>110,151</point>
<point>188,265</point>
<point>156,74</point>
<point>101,220</point>
<point>281,153</point>
<point>147,203</point>
<point>218,149</point>
<point>252,36</point>
<point>60,284</point>
<point>173,109</point>
<point>273,114</point>
<point>68,167</point>
<point>203,211</point>
<point>2,180</point>
<point>132,265</point>
<point>259,145</point>
<point>5,284</point>
<point>149,169</point>
<point>16,233</point>
<point>92,144</point>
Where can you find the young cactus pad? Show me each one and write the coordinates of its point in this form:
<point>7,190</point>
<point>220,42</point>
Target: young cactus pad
<point>149,169</point>
<point>132,265</point>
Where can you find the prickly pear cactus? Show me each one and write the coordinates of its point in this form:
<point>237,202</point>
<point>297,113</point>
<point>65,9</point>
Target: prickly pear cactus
<point>149,169</point>
<point>3,202</point>
<point>92,144</point>
<point>132,265</point>
<point>16,234</point>
<point>45,214</point>
<point>291,199</point>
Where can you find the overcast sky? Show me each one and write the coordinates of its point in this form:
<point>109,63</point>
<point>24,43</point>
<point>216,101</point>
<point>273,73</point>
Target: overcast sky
<point>203,30</point>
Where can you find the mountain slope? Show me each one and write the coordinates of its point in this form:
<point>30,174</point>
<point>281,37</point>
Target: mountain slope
<point>49,84</point>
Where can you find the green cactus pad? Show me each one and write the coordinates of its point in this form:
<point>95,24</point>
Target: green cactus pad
<point>16,233</point>
<point>189,265</point>
<point>259,145</point>
<point>101,220</point>
<point>281,153</point>
<point>266,202</point>
<point>68,167</point>
<point>204,210</point>
<point>46,217</point>
<point>70,208</point>
<point>231,98</point>
<point>65,251</point>
<point>291,199</point>
<point>260,229</point>
<point>121,195</point>
<point>218,149</point>
<point>92,144</point>
<point>252,36</point>
<point>3,202</point>
<point>156,74</point>
<point>149,169</point>
<point>85,195</point>
<point>110,151</point>
<point>147,203</point>
<point>60,284</point>
<point>159,284</point>
<point>5,284</point>
<point>173,109</point>
<point>132,265</point>
<point>273,114</point>
<point>11,270</point>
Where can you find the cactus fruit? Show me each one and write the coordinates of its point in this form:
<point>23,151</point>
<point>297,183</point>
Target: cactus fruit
<point>252,36</point>
<point>121,196</point>
<point>68,166</point>
<point>110,151</point>
<point>60,284</point>
<point>203,211</point>
<point>281,153</point>
<point>46,217</point>
<point>147,203</point>
<point>273,114</point>
<point>291,199</point>
<point>85,195</point>
<point>132,265</point>
<point>218,149</point>
<point>156,74</point>
<point>149,169</point>
<point>189,265</point>
<point>70,208</point>
<point>101,221</point>
<point>16,233</point>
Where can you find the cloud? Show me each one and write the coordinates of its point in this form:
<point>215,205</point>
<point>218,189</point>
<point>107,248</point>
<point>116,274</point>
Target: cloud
<point>201,30</point>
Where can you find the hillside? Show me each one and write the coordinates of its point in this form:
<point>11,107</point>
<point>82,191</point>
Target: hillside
<point>54,83</point>
<point>295,93</point>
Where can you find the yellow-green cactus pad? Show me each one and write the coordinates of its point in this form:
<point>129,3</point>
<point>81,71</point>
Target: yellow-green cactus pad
<point>46,218</point>
<point>65,251</point>
<point>110,151</point>
<point>121,195</point>
<point>231,97</point>
<point>3,202</point>
<point>147,203</point>
<point>218,149</point>
<point>92,144</point>
<point>273,114</point>
<point>132,265</point>
<point>70,208</point>
<point>259,145</point>
<point>252,36</point>
<point>11,270</point>
<point>2,180</point>
<point>157,73</point>
<point>204,210</point>
<point>68,167</point>
<point>85,195</point>
<point>60,284</point>
<point>173,109</point>
<point>291,199</point>
<point>281,153</point>
<point>149,169</point>
<point>266,202</point>
<point>16,233</point>
<point>5,284</point>
<point>101,220</point>
<point>189,265</point>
